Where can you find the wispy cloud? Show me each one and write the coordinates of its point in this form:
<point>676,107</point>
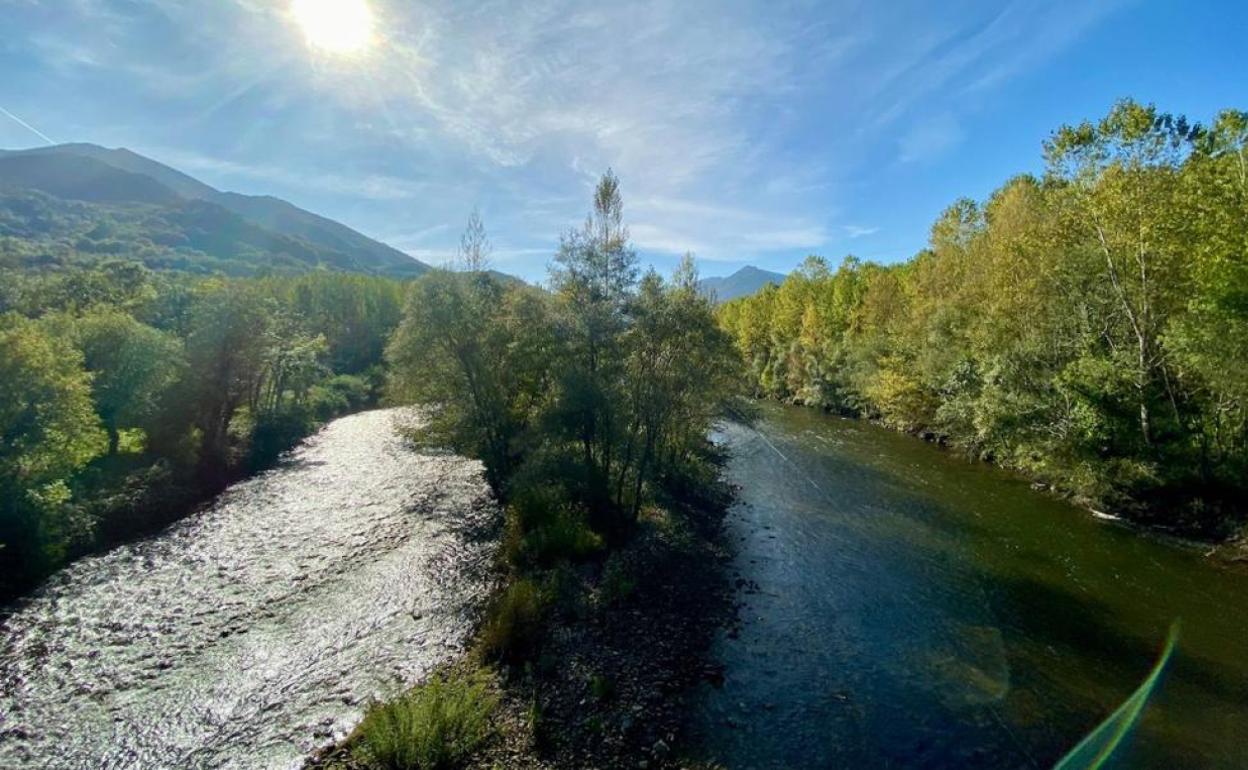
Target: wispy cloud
<point>929,138</point>
<point>737,129</point>
<point>372,187</point>
<point>858,231</point>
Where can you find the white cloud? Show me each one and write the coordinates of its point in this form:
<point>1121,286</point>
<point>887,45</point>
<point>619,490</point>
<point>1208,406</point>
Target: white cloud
<point>373,187</point>
<point>735,128</point>
<point>858,231</point>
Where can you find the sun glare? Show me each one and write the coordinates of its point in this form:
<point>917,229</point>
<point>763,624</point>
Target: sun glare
<point>337,26</point>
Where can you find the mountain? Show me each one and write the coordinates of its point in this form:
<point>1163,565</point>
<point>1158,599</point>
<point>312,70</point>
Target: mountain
<point>82,179</point>
<point>233,233</point>
<point>742,283</point>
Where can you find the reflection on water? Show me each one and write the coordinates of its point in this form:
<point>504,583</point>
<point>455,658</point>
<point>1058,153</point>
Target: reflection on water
<point>253,632</point>
<point>916,610</point>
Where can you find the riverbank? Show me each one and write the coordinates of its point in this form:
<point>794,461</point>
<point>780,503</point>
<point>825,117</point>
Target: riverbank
<point>903,608</point>
<point>251,633</point>
<point>1219,533</point>
<point>127,497</point>
<point>622,645</point>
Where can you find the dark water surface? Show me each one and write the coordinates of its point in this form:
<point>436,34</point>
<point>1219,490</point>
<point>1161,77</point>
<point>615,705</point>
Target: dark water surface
<point>255,631</point>
<point>915,610</point>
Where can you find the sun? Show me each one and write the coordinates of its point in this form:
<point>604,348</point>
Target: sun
<point>336,26</point>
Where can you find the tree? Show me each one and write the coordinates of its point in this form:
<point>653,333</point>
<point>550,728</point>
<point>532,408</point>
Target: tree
<point>474,245</point>
<point>132,365</point>
<point>594,276</point>
<point>479,354</point>
<point>1087,327</point>
<point>48,431</point>
<point>226,354</point>
<point>1121,176</point>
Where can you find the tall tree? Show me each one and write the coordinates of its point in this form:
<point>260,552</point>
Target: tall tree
<point>474,245</point>
<point>132,365</point>
<point>48,430</point>
<point>594,276</point>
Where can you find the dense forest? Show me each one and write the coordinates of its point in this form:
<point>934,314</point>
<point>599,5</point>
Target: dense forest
<point>127,395</point>
<point>1088,326</point>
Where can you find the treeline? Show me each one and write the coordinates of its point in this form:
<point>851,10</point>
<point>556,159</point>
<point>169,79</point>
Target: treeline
<point>1089,327</point>
<point>127,395</point>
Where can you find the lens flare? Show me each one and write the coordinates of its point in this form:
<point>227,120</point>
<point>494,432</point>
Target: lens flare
<point>335,26</point>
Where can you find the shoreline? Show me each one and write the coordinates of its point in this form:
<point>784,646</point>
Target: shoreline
<point>620,653</point>
<point>1215,544</point>
<point>185,495</point>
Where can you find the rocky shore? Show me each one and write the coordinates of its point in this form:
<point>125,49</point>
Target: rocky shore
<point>622,648</point>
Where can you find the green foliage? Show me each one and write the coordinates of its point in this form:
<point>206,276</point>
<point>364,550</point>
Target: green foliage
<point>604,387</point>
<point>544,528</point>
<point>49,430</point>
<point>618,582</point>
<point>473,350</point>
<point>1088,327</point>
<point>339,394</point>
<point>187,382</point>
<point>513,625</point>
<point>437,726</point>
<point>601,687</point>
<point>131,365</point>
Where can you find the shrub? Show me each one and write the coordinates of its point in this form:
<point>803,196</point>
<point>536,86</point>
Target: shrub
<point>544,529</point>
<point>436,726</point>
<point>275,432</point>
<point>601,687</point>
<point>339,394</point>
<point>512,627</point>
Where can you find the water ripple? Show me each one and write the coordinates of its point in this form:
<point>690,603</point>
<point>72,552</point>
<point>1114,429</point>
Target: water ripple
<point>255,631</point>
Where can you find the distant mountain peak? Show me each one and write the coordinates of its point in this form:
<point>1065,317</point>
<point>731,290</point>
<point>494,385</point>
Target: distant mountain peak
<point>746,281</point>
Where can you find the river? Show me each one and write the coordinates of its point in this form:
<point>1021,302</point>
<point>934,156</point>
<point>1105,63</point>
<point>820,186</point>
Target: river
<point>900,608</point>
<point>903,608</point>
<point>256,630</point>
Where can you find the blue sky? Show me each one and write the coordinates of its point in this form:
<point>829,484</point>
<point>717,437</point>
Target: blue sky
<point>748,133</point>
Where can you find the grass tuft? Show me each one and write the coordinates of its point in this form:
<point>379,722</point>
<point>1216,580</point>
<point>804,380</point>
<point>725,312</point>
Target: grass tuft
<point>437,726</point>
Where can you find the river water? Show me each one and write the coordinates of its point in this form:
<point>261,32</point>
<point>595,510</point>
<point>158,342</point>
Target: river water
<point>255,631</point>
<point>910,609</point>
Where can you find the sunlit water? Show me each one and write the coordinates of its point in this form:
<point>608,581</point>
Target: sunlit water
<point>915,610</point>
<point>255,631</point>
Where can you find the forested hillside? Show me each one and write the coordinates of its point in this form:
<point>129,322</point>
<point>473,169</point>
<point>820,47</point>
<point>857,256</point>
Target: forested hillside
<point>126,395</point>
<point>76,205</point>
<point>1088,326</point>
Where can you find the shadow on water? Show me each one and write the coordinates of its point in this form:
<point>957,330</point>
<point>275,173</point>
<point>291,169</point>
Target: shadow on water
<point>903,608</point>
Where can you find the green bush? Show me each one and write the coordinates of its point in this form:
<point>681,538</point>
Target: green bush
<point>545,529</point>
<point>512,629</point>
<point>275,432</point>
<point>435,726</point>
<point>601,687</point>
<point>339,394</point>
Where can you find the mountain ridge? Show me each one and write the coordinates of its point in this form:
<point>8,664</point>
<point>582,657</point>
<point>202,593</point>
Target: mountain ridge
<point>75,172</point>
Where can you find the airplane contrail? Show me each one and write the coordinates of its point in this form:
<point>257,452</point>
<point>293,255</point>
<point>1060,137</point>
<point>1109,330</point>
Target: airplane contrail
<point>28,127</point>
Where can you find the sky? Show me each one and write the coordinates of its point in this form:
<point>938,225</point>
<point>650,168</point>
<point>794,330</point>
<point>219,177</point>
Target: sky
<point>745,132</point>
